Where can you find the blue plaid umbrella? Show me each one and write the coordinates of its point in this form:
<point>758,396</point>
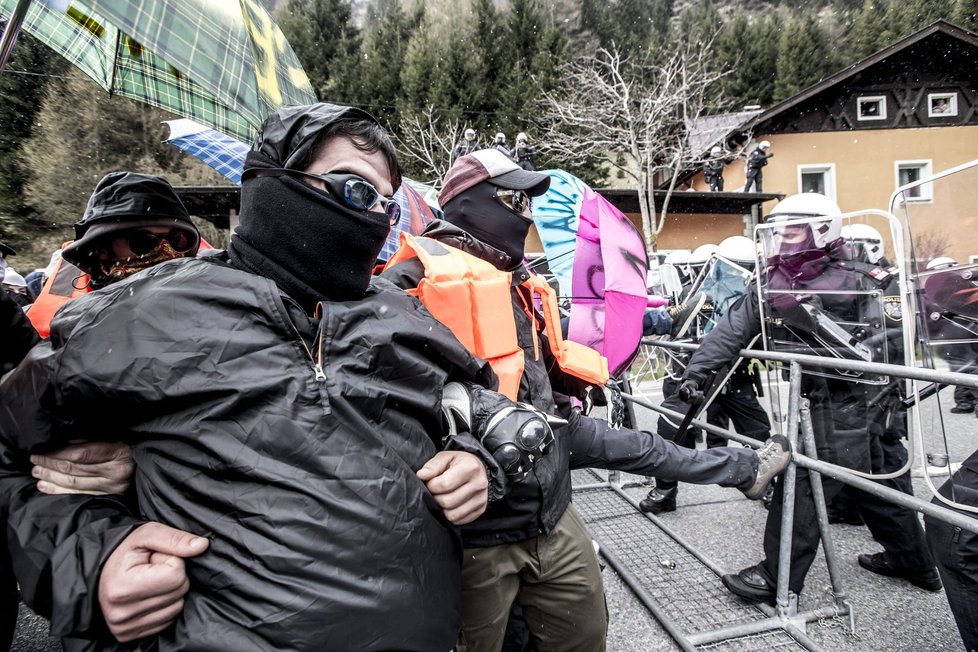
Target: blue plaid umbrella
<point>219,151</point>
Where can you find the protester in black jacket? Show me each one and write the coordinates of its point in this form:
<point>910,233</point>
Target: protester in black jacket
<point>19,337</point>
<point>281,404</point>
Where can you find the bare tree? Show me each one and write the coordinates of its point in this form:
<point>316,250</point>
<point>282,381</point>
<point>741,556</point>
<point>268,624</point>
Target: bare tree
<point>427,141</point>
<point>929,245</point>
<point>632,116</point>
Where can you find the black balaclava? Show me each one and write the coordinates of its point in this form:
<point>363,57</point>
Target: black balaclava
<point>479,213</point>
<point>314,247</point>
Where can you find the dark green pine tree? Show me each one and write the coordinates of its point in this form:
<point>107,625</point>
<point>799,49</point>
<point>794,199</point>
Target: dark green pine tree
<point>388,30</point>
<point>749,52</point>
<point>452,93</point>
<point>636,25</point>
<point>870,30</point>
<point>28,72</point>
<point>907,16</point>
<point>597,21</point>
<point>762,54</point>
<point>418,72</point>
<point>966,14</point>
<point>699,23</point>
<point>524,34</point>
<point>493,64</point>
<point>802,57</point>
<point>730,50</point>
<point>326,43</point>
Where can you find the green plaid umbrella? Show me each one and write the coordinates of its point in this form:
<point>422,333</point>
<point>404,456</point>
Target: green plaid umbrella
<point>223,63</point>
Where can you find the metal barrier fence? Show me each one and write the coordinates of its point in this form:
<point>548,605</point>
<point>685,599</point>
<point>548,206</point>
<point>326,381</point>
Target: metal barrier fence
<point>800,434</point>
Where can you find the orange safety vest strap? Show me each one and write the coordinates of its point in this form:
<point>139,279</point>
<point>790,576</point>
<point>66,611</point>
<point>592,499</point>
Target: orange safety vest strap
<point>60,288</point>
<point>572,357</point>
<point>471,298</point>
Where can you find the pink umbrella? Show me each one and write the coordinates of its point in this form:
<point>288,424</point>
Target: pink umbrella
<point>608,293</point>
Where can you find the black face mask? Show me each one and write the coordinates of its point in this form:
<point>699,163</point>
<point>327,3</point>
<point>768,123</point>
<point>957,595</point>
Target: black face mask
<point>478,212</point>
<point>313,246</point>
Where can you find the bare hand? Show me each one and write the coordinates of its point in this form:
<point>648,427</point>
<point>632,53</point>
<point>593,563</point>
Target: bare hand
<point>459,484</point>
<point>143,582</point>
<point>87,467</point>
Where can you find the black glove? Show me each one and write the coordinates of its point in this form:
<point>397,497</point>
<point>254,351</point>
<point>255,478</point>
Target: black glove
<point>689,392</point>
<point>515,434</point>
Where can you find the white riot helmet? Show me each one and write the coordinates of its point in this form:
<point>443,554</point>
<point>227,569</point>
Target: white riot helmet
<point>867,241</point>
<point>817,234</point>
<point>469,134</point>
<point>738,249</point>
<point>764,144</point>
<point>678,258</point>
<point>701,254</point>
<point>941,262</point>
<point>12,278</point>
<point>521,137</point>
<point>500,137</point>
<point>716,150</point>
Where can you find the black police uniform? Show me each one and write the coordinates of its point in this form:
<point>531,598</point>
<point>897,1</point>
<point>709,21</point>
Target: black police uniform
<point>957,552</point>
<point>839,412</point>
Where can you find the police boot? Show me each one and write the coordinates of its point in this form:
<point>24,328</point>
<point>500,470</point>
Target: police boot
<point>659,501</point>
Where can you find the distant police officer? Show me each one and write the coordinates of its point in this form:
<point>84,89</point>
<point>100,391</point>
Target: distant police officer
<point>713,169</point>
<point>466,145</point>
<point>756,161</point>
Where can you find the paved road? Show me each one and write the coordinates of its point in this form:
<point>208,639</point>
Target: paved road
<point>726,529</point>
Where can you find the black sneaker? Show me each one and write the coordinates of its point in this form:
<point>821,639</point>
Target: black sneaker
<point>962,408</point>
<point>659,501</point>
<point>684,314</point>
<point>772,458</point>
<point>926,578</point>
<point>750,585</point>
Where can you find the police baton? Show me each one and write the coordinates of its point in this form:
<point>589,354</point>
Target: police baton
<point>934,388</point>
<point>694,410</point>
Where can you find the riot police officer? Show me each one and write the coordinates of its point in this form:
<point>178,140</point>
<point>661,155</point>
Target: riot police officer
<point>736,402</point>
<point>810,285</point>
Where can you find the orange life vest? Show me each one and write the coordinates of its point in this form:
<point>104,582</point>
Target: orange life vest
<point>65,283</point>
<point>472,298</point>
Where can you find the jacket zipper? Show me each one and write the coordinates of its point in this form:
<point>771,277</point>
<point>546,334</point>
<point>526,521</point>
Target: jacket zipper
<point>316,366</point>
<point>315,360</point>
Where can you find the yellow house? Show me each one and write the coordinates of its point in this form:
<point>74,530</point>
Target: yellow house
<point>903,113</point>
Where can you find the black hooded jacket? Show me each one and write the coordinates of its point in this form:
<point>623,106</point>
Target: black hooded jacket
<point>322,537</point>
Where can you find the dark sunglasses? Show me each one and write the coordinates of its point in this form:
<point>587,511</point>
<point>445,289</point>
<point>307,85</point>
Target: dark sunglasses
<point>355,191</point>
<point>143,242</point>
<point>516,200</point>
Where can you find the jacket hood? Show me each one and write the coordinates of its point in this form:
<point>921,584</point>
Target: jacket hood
<point>289,133</point>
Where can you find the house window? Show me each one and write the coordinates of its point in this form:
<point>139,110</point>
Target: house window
<point>941,105</point>
<point>909,172</point>
<point>872,107</point>
<point>818,177</point>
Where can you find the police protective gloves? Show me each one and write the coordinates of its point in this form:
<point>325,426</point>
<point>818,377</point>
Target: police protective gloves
<point>690,392</point>
<point>515,434</point>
